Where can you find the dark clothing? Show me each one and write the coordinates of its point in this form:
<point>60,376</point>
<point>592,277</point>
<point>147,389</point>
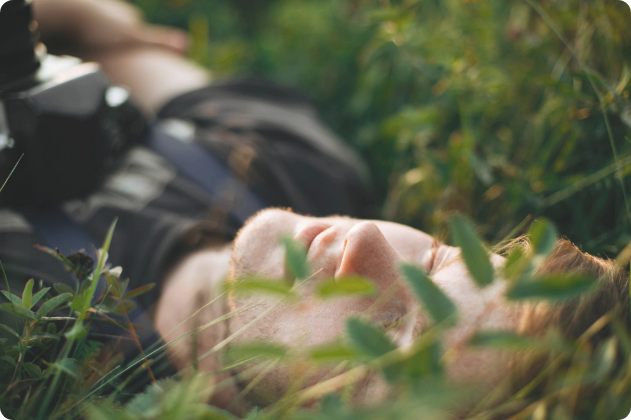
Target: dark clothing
<point>269,137</point>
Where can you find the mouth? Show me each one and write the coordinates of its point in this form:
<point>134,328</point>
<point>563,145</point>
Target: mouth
<point>308,233</point>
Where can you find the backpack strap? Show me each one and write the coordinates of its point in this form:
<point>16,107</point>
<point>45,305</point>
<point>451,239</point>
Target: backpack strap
<point>200,166</point>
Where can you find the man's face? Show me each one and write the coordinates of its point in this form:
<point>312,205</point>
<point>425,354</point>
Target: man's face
<point>340,246</point>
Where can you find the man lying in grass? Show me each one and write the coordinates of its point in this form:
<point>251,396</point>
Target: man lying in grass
<point>175,234</point>
<point>339,247</point>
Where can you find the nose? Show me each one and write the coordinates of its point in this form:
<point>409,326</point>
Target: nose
<point>367,253</point>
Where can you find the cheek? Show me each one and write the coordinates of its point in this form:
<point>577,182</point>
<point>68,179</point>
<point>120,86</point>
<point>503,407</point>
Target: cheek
<point>297,326</point>
<point>263,260</point>
<point>482,368</point>
<point>257,249</point>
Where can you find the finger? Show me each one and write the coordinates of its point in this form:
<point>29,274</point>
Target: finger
<point>172,39</point>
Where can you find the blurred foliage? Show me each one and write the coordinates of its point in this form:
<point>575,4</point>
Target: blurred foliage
<point>579,381</point>
<point>496,109</point>
<point>49,366</point>
<point>475,106</point>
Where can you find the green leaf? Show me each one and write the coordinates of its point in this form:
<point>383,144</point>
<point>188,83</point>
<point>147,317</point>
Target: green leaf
<point>543,236</point>
<point>334,352</point>
<point>57,255</point>
<point>38,296</point>
<point>27,294</point>
<point>8,360</point>
<point>10,330</point>
<point>474,254</point>
<point>504,339</point>
<point>33,370</point>
<point>604,360</point>
<point>295,257</point>
<point>346,286</point>
<point>52,303</point>
<point>371,341</point>
<point>260,349</point>
<point>96,274</point>
<point>437,304</point>
<point>76,332</point>
<point>12,298</point>
<point>139,291</point>
<point>124,284</point>
<point>367,338</point>
<point>77,302</point>
<point>124,307</point>
<point>116,286</point>
<point>213,413</point>
<point>19,310</point>
<point>516,263</point>
<point>70,367</point>
<point>61,288</point>
<point>552,287</point>
<point>44,336</point>
<point>262,285</point>
<point>424,362</point>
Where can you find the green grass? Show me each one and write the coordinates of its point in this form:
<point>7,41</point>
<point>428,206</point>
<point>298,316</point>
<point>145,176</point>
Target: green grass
<point>497,109</point>
<point>505,111</point>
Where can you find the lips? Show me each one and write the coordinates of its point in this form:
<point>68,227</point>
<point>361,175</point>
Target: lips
<point>308,233</point>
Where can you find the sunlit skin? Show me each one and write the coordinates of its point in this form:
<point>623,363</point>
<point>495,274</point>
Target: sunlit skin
<point>147,60</point>
<point>338,247</point>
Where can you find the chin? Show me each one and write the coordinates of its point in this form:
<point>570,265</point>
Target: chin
<point>371,390</point>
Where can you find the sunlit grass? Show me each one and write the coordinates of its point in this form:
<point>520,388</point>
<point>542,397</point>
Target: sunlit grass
<point>503,111</point>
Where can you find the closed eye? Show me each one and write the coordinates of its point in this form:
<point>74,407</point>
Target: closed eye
<point>433,252</point>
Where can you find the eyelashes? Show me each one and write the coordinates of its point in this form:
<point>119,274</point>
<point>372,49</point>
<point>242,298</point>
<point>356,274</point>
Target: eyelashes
<point>433,253</point>
<point>390,324</point>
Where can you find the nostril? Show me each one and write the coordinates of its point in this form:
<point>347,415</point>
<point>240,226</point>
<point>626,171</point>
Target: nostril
<point>367,252</point>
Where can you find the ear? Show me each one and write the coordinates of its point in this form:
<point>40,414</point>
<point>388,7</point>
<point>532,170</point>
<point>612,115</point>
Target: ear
<point>368,253</point>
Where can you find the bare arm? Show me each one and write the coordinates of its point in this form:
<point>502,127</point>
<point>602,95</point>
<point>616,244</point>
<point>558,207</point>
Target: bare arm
<point>88,26</point>
<point>145,58</point>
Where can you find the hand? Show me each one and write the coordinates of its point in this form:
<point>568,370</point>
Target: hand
<point>88,26</point>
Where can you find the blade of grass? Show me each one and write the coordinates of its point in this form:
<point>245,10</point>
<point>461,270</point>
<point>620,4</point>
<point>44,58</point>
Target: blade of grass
<point>546,17</point>
<point>151,348</point>
<point>65,351</point>
<point>254,382</point>
<point>6,281</point>
<point>138,360</point>
<point>234,335</point>
<point>11,173</point>
<point>512,233</point>
<point>17,328</point>
<point>580,184</point>
<point>96,274</point>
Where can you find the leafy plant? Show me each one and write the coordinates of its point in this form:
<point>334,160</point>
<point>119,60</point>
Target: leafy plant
<point>417,372</point>
<point>502,111</point>
<point>49,362</point>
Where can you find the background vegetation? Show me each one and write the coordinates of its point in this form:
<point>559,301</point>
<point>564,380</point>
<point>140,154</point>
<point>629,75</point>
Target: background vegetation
<point>502,110</point>
<point>492,108</point>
